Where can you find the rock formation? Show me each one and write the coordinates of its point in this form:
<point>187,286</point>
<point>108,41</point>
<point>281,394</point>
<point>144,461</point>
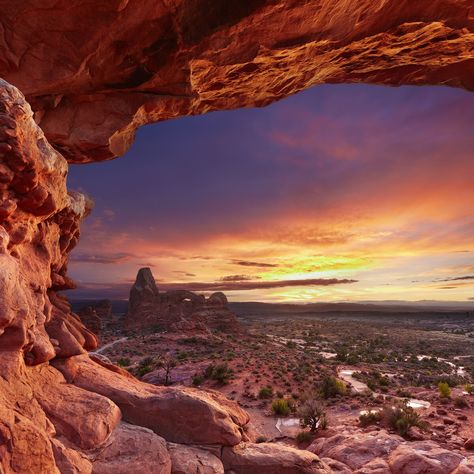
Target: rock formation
<point>177,310</point>
<point>96,316</point>
<point>95,71</point>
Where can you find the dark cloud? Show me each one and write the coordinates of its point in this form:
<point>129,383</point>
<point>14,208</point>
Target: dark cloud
<point>178,272</point>
<point>460,278</point>
<point>256,285</point>
<point>102,259</point>
<point>120,290</point>
<point>247,263</point>
<point>239,278</point>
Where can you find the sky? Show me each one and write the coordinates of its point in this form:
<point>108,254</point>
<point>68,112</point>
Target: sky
<point>338,193</point>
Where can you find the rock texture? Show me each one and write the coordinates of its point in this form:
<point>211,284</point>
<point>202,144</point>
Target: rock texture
<point>192,460</point>
<point>39,225</point>
<point>133,449</point>
<point>96,316</point>
<point>94,73</point>
<point>383,453</point>
<point>268,458</point>
<point>178,310</point>
<point>182,415</point>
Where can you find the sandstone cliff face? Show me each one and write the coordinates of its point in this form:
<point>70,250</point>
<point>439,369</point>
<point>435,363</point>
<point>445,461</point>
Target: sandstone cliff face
<point>178,310</point>
<point>39,225</point>
<point>95,72</point>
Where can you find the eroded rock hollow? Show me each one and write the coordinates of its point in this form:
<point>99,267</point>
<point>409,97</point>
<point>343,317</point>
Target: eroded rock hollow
<point>95,71</point>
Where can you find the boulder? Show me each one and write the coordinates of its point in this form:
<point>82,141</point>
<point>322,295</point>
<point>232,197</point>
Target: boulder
<point>469,444</point>
<point>85,418</point>
<point>466,466</point>
<point>376,466</point>
<point>356,450</point>
<point>70,461</point>
<point>193,460</point>
<point>181,415</point>
<point>337,466</point>
<point>133,449</point>
<point>421,457</point>
<point>270,458</point>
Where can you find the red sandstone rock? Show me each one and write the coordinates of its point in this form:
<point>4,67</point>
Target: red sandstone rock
<point>133,449</point>
<point>178,310</point>
<point>358,449</point>
<point>466,466</point>
<point>90,319</point>
<point>193,460</point>
<point>35,238</point>
<point>423,456</point>
<point>85,418</point>
<point>376,466</point>
<point>469,444</point>
<point>269,458</point>
<point>70,461</point>
<point>337,466</point>
<point>182,415</point>
<point>94,73</point>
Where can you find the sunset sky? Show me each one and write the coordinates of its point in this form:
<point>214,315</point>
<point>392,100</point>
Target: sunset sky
<point>339,193</point>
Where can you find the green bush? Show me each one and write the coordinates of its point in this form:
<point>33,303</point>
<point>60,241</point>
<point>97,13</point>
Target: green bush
<point>198,380</point>
<point>221,373</point>
<point>312,415</point>
<point>124,362</point>
<point>401,418</point>
<point>146,365</point>
<point>332,387</point>
<point>371,417</point>
<point>304,437</point>
<point>280,407</point>
<point>444,390</point>
<point>469,388</point>
<point>265,392</point>
<point>460,402</point>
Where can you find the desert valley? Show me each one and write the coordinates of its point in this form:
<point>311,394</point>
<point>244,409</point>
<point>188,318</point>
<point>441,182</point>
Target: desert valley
<point>368,388</point>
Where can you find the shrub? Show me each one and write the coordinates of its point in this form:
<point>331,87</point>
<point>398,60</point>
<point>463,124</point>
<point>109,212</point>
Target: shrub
<point>371,417</point>
<point>401,418</point>
<point>460,402</point>
<point>261,439</point>
<point>331,387</point>
<point>124,362</point>
<point>312,415</point>
<point>146,365</point>
<point>280,407</point>
<point>444,390</point>
<point>221,373</point>
<point>265,392</point>
<point>469,388</point>
<point>198,380</point>
<point>304,437</point>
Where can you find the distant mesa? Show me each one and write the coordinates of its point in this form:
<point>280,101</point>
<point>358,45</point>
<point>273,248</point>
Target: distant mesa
<point>177,310</point>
